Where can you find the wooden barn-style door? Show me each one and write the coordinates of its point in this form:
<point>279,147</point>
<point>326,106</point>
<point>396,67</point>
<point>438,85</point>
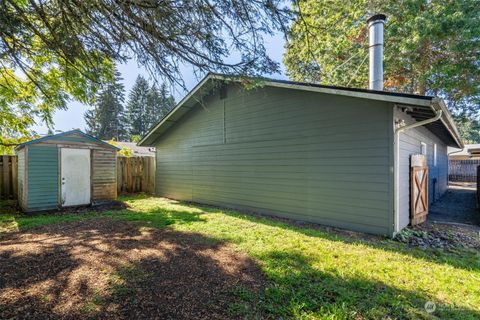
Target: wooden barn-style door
<point>418,189</point>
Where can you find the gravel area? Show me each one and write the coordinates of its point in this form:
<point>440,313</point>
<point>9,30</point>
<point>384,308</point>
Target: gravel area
<point>441,236</point>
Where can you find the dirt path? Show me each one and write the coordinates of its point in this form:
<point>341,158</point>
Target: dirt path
<point>105,268</point>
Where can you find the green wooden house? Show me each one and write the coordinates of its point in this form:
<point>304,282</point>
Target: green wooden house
<point>66,169</point>
<point>330,155</point>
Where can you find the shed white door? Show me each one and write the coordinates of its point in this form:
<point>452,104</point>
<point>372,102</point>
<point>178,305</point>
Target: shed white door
<point>75,176</point>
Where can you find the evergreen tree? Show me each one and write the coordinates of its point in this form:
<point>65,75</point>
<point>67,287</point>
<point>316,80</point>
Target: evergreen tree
<point>469,128</point>
<point>92,122</point>
<point>52,51</point>
<point>137,104</point>
<point>159,103</point>
<point>431,47</point>
<point>146,106</point>
<point>107,119</point>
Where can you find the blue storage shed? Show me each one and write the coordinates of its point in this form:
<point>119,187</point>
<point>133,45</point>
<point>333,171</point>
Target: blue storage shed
<point>64,170</point>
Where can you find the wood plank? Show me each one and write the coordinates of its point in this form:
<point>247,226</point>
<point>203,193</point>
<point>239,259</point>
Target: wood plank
<point>1,178</point>
<point>463,170</point>
<point>418,189</point>
<point>478,186</point>
<point>135,174</point>
<point>6,177</point>
<point>103,179</point>
<point>14,172</point>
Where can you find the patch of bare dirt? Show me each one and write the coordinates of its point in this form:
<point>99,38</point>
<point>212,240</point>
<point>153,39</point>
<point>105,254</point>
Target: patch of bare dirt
<point>104,268</point>
<point>102,207</point>
<point>13,208</point>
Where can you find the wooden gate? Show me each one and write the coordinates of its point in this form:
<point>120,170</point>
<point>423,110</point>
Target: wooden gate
<point>135,174</point>
<point>418,189</point>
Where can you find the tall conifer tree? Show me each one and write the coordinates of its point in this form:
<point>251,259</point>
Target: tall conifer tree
<point>136,106</point>
<point>159,103</point>
<point>107,119</point>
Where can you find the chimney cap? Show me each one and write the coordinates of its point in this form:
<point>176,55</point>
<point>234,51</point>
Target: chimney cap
<point>376,17</point>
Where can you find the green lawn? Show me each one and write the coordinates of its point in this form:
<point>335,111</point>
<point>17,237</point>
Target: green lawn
<point>314,274</point>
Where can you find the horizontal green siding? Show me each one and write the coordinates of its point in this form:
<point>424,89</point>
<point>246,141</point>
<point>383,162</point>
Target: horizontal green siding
<point>302,155</point>
<point>42,177</point>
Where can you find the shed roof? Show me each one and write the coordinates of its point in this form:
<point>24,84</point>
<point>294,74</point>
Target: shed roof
<point>418,106</point>
<point>137,150</point>
<point>64,134</point>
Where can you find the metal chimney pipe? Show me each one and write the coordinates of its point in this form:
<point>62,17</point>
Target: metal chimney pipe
<point>375,51</point>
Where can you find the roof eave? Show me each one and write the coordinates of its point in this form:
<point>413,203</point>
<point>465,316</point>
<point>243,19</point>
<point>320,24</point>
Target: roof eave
<point>407,99</point>
<point>75,131</point>
<point>447,120</point>
<point>144,142</point>
<point>356,94</point>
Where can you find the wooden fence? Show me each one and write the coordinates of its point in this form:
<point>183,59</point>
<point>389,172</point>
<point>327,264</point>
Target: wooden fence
<point>134,174</point>
<point>8,177</point>
<point>463,170</point>
<point>478,187</point>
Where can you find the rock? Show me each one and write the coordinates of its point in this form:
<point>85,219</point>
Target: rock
<point>437,236</point>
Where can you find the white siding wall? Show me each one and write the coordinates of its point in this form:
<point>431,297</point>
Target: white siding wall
<point>410,143</point>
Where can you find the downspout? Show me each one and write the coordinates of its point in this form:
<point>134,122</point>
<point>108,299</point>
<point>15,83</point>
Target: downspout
<point>396,186</point>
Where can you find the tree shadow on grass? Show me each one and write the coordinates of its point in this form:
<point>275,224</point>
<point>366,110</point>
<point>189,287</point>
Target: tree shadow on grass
<point>301,290</point>
<point>390,300</point>
<point>107,268</point>
<point>468,259</point>
<point>159,217</point>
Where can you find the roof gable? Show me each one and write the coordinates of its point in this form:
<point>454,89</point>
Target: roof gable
<point>73,136</point>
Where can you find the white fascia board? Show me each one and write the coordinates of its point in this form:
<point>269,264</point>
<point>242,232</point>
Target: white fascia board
<point>447,120</point>
<point>355,94</point>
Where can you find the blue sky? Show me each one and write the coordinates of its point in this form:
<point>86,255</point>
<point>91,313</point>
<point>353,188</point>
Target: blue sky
<point>73,117</point>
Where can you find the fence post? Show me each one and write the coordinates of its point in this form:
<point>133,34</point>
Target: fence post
<point>8,177</point>
<point>14,177</point>
<point>151,175</point>
<point>119,175</point>
<point>1,178</point>
<point>478,187</point>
